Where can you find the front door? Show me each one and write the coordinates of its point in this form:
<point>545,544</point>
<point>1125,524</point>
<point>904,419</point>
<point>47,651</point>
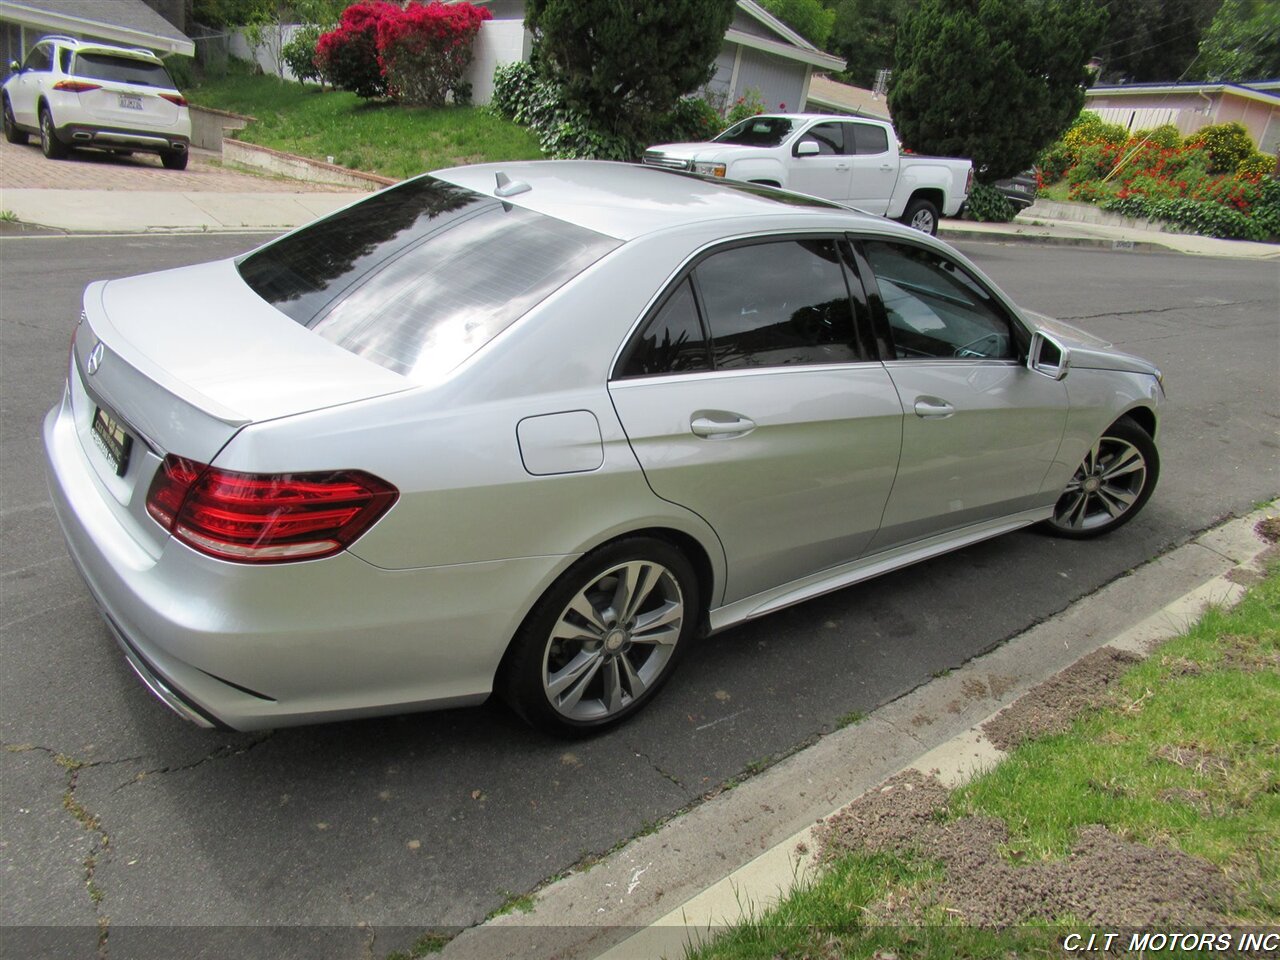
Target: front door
<point>980,430</point>
<point>824,174</point>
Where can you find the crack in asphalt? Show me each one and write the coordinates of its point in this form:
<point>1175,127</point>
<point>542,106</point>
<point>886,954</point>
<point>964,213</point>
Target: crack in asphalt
<point>669,776</point>
<point>225,752</point>
<point>1150,310</point>
<point>90,822</point>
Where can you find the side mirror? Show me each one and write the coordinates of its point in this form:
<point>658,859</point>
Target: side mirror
<point>15,66</point>
<point>1047,356</point>
<point>807,148</point>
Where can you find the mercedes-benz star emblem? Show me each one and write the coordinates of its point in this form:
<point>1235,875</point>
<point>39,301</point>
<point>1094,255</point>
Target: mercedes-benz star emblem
<point>95,358</point>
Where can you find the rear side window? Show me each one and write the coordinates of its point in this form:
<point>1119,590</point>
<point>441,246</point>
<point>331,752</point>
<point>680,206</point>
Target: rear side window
<point>869,139</point>
<point>772,304</point>
<point>418,277</point>
<point>104,66</point>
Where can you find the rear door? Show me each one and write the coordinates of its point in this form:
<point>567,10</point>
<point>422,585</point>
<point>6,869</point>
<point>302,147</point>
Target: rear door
<point>980,430</point>
<point>750,395</point>
<point>874,165</point>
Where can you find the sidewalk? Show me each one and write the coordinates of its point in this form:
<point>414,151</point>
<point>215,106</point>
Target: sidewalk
<point>737,853</point>
<point>103,195</point>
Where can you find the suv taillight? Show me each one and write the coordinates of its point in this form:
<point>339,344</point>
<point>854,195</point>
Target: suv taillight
<point>174,98</point>
<point>265,518</point>
<point>76,86</point>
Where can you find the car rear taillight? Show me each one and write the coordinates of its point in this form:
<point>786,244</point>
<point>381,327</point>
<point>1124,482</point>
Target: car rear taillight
<point>76,86</point>
<point>175,98</point>
<point>265,518</point>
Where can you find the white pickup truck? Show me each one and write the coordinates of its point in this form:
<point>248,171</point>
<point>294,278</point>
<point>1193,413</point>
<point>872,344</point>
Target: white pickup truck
<point>852,160</point>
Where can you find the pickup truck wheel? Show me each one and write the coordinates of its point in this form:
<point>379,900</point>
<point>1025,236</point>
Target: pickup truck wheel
<point>921,215</point>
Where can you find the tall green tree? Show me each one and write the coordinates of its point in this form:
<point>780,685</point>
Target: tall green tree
<point>809,18</point>
<point>992,80</point>
<point>1242,43</point>
<point>1151,41</point>
<point>864,33</point>
<point>624,63</point>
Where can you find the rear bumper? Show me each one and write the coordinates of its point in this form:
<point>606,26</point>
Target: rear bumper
<point>248,648</point>
<point>88,135</point>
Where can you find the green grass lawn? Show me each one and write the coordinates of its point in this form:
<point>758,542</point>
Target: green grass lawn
<point>360,134</point>
<point>1185,757</point>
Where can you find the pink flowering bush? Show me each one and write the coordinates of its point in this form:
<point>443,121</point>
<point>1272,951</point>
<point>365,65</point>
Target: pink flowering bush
<point>416,55</point>
<point>426,49</point>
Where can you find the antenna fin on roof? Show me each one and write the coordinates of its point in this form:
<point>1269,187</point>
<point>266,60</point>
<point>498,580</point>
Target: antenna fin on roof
<point>506,187</point>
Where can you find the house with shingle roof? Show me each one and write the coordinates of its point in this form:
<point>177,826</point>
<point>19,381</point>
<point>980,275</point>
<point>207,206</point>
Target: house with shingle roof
<point>125,23</point>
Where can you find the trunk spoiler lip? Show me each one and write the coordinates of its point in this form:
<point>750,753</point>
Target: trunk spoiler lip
<point>100,326</point>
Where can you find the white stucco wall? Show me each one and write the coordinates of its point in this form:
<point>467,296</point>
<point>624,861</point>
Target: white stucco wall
<point>499,42</point>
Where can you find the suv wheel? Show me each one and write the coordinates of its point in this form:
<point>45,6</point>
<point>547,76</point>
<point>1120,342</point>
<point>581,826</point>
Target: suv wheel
<point>50,145</point>
<point>174,159</point>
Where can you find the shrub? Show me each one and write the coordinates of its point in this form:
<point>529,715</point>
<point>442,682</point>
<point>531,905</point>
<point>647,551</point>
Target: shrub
<point>747,105</point>
<point>1095,162</point>
<point>1266,211</point>
<point>1204,217</point>
<point>299,54</point>
<point>1256,165</point>
<point>1166,135</point>
<point>347,56</point>
<point>691,121</point>
<point>1227,144</point>
<point>1091,128</point>
<point>989,205</point>
<point>564,133</point>
<point>425,49</point>
<point>1053,164</point>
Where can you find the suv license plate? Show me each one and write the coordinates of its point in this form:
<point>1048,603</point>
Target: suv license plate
<point>130,103</point>
<point>112,440</point>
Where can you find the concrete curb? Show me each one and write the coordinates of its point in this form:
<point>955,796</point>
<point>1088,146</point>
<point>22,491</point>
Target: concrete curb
<point>1132,246</point>
<point>295,167</point>
<point>738,853</point>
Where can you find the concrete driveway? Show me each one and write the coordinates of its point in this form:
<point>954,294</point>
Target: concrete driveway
<point>26,168</point>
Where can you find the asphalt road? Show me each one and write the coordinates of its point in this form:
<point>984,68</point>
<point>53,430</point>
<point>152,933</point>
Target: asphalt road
<point>115,811</point>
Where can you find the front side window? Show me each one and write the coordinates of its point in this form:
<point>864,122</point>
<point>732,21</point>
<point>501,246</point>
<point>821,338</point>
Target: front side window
<point>38,59</point>
<point>418,277</point>
<point>757,132</point>
<point>935,308</point>
<point>828,136</point>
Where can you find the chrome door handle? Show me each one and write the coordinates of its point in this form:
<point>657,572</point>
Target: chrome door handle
<point>931,408</point>
<point>886,166</point>
<point>711,429</point>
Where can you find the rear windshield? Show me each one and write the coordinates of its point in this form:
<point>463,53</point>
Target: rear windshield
<point>757,132</point>
<point>103,66</point>
<point>418,277</point>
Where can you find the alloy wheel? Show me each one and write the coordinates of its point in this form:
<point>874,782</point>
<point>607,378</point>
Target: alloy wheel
<point>613,640</point>
<point>1105,487</point>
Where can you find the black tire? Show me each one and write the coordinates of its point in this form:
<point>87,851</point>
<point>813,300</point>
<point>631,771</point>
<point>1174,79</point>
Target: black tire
<point>174,159</point>
<point>50,145</point>
<point>11,132</point>
<point>921,215</point>
<point>1112,484</point>
<point>556,635</point>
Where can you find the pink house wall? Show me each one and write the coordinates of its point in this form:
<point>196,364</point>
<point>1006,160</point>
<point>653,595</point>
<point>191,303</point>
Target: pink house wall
<point>1191,113</point>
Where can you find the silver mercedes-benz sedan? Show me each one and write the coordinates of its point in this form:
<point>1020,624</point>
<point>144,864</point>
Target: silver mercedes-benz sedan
<point>534,428</point>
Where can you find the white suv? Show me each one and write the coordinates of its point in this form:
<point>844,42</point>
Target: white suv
<point>75,93</point>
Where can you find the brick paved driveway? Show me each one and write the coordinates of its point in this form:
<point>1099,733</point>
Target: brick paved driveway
<point>26,167</point>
